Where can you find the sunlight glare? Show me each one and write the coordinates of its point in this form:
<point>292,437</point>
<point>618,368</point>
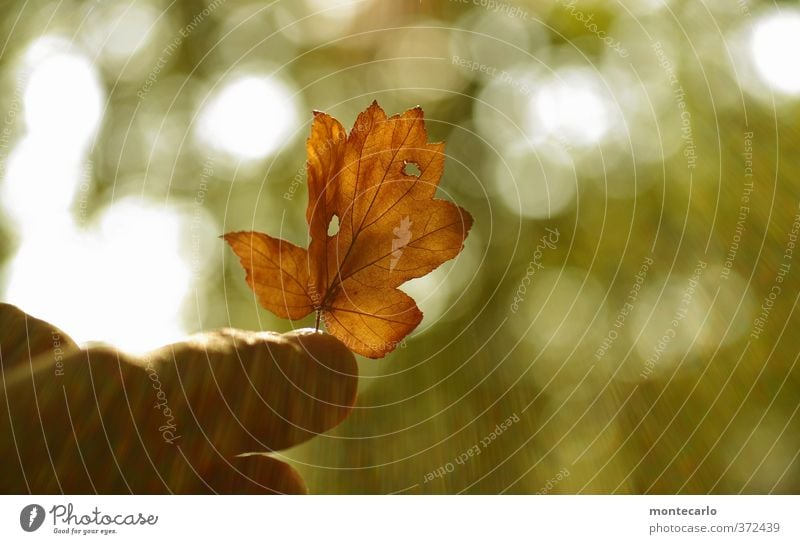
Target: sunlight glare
<point>123,283</point>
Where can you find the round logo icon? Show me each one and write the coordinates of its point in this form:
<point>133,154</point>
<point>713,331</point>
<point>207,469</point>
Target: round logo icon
<point>31,517</point>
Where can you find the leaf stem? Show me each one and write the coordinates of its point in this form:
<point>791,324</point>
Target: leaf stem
<point>316,324</point>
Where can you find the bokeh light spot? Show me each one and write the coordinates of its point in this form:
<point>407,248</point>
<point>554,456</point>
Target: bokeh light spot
<point>774,44</point>
<point>63,99</point>
<point>249,118</point>
<point>572,108</point>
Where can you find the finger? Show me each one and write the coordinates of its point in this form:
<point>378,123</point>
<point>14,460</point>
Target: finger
<point>251,474</point>
<point>75,431</point>
<point>112,423</point>
<point>23,338</point>
<point>238,391</point>
<point>97,429</point>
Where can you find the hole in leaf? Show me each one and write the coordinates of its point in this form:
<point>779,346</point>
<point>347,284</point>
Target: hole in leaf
<point>333,226</point>
<point>412,169</point>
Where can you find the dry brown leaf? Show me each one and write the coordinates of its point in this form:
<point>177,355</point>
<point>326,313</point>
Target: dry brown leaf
<point>379,182</point>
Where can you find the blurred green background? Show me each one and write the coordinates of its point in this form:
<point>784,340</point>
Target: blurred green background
<point>648,346</point>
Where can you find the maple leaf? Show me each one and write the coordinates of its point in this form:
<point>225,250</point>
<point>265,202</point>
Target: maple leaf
<point>390,229</point>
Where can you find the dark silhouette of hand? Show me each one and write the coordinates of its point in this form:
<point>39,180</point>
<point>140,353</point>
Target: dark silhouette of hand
<point>199,416</point>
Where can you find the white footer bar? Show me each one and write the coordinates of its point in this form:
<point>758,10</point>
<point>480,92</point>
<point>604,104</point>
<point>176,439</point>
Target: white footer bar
<point>389,519</point>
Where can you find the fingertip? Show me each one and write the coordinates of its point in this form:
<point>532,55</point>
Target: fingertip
<point>248,474</point>
<point>326,374</point>
<point>336,364</point>
<point>326,346</point>
<point>266,474</point>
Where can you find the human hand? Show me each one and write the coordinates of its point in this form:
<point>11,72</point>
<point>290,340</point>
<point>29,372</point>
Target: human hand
<point>177,420</point>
